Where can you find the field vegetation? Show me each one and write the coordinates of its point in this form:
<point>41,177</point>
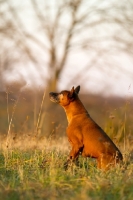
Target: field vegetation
<point>31,160</point>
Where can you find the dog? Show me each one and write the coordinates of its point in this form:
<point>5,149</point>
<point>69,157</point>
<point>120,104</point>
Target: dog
<point>84,134</point>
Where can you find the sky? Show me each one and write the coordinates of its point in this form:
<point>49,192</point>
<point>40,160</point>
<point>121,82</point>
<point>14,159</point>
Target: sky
<point>107,75</point>
<point>91,80</point>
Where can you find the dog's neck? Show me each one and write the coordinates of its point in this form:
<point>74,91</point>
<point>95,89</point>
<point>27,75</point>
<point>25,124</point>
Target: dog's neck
<point>73,109</point>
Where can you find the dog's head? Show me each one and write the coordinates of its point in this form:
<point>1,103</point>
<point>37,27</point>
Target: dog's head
<point>65,97</point>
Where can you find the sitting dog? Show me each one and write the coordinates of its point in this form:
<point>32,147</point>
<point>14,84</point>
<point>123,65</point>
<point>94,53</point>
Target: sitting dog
<point>85,136</point>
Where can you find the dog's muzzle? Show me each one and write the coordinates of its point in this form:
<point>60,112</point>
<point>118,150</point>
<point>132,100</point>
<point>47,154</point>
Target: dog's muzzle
<point>54,97</point>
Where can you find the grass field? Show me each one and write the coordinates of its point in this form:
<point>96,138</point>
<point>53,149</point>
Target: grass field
<point>39,174</point>
<point>32,165</point>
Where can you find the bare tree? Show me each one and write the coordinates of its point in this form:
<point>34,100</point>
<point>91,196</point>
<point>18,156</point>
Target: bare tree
<point>59,28</point>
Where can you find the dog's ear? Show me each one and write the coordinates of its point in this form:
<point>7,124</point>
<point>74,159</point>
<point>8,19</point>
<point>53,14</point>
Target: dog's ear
<point>77,89</point>
<point>71,92</point>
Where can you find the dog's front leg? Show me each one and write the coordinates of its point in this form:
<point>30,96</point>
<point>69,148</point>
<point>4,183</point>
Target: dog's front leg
<point>74,154</point>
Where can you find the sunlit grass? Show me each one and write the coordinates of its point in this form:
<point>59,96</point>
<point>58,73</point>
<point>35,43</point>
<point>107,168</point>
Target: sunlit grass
<point>39,174</point>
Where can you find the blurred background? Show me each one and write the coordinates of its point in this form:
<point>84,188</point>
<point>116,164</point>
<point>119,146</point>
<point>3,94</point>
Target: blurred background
<point>54,45</point>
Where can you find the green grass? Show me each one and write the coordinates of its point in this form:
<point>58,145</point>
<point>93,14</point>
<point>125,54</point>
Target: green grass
<point>39,174</point>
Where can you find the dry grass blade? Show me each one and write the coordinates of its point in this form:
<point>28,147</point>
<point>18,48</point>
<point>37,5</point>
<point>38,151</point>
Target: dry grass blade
<point>40,112</point>
<point>10,121</point>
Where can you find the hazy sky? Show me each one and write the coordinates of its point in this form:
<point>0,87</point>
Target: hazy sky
<point>108,74</point>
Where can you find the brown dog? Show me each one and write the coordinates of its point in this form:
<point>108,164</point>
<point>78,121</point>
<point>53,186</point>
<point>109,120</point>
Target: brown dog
<point>85,136</point>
